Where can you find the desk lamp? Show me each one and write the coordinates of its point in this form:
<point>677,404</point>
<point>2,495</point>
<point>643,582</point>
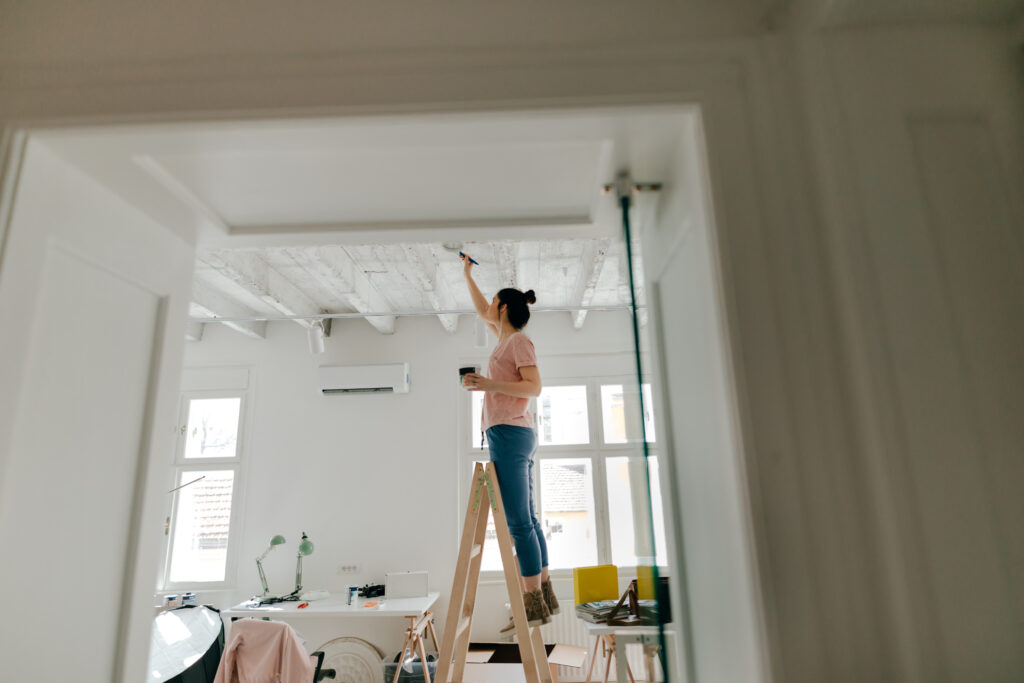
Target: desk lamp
<point>305,548</point>
<point>275,541</point>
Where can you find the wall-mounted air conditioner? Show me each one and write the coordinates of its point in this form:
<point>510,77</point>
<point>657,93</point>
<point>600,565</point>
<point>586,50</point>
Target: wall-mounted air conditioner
<point>364,379</point>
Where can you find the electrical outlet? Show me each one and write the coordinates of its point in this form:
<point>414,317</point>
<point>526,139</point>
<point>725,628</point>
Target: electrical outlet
<point>348,568</point>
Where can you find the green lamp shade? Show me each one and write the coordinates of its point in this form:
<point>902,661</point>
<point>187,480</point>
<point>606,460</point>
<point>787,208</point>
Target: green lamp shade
<point>305,546</point>
<point>276,540</point>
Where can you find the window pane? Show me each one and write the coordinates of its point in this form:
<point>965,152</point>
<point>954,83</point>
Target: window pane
<point>212,427</point>
<point>477,418</point>
<point>562,416</point>
<point>613,413</point>
<point>201,524</point>
<point>627,511</point>
<point>567,512</point>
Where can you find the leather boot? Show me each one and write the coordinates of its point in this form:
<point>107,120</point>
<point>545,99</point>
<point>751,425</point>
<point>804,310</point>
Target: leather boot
<point>549,596</point>
<point>537,611</point>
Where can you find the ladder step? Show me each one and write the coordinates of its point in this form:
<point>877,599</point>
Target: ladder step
<point>475,550</point>
<point>463,625</point>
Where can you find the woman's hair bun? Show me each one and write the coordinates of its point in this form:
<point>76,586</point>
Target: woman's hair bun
<point>531,298</point>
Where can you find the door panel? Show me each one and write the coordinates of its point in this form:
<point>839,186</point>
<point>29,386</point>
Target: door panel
<point>74,458</point>
<point>93,296</point>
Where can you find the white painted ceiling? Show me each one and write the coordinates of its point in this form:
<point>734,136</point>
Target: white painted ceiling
<point>351,216</point>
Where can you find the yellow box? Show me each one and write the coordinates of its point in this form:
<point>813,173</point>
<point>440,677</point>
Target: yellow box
<point>645,583</point>
<point>600,582</point>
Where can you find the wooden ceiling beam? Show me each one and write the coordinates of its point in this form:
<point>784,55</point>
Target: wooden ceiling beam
<point>251,272</point>
<point>210,302</point>
<point>593,258</point>
<point>505,256</point>
<point>423,261</point>
<point>334,268</point>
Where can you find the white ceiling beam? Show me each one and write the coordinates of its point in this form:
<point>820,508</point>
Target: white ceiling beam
<point>334,268</point>
<point>425,266</point>
<point>623,284</point>
<point>593,259</point>
<point>194,331</point>
<point>250,271</point>
<point>210,302</point>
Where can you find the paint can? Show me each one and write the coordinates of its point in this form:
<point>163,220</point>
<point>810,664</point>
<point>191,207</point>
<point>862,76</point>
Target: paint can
<point>465,371</point>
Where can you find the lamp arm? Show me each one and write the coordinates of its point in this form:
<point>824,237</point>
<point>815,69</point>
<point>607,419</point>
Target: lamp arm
<point>298,574</point>
<point>263,577</point>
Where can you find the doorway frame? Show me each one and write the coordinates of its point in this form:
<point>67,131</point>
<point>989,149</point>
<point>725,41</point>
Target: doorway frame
<point>717,88</point>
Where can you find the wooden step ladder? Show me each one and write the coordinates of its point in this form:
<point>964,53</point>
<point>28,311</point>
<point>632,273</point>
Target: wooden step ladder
<point>484,498</point>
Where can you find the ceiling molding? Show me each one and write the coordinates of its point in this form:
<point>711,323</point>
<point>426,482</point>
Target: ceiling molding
<point>397,232</point>
<point>179,190</point>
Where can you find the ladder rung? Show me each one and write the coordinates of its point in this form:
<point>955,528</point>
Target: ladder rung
<point>463,625</point>
<point>475,550</point>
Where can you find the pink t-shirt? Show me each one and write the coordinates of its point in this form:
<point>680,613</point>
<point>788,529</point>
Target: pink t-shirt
<point>508,356</point>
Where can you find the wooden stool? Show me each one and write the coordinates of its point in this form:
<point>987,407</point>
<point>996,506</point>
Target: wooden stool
<point>414,643</point>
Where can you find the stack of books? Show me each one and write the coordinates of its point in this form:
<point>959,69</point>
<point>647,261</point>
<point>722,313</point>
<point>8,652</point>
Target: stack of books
<point>595,612</point>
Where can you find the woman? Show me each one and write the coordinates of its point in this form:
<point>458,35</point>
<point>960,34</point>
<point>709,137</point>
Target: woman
<point>513,379</point>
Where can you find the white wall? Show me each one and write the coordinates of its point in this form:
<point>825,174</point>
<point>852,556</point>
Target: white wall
<point>703,458</point>
<point>374,479</point>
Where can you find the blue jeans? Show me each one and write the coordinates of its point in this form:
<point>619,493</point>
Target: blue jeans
<point>512,450</point>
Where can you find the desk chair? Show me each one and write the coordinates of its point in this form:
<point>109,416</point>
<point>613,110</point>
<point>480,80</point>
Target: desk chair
<point>590,584</point>
<point>268,648</point>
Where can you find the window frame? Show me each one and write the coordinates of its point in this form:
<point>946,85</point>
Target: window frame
<point>597,451</point>
<point>230,385</point>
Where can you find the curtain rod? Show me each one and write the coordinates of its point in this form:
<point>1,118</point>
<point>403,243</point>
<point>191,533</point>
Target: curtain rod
<point>398,314</point>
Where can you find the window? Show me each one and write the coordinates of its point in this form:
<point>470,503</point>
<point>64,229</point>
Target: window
<point>205,488</point>
<point>212,429</point>
<point>202,521</point>
<point>562,416</point>
<point>613,414</point>
<point>590,489</point>
<point>627,511</point>
<point>566,509</point>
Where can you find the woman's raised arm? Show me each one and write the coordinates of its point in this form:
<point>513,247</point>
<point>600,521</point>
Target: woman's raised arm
<point>479,302</point>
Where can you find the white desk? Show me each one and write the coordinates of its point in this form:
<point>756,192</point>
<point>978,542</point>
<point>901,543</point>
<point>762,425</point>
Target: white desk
<point>381,627</point>
<point>335,606</point>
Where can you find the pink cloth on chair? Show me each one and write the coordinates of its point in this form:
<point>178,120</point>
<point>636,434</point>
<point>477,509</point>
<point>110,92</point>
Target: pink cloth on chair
<point>264,652</point>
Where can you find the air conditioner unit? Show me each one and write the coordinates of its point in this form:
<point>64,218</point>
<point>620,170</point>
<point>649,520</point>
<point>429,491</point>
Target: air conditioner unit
<point>364,379</point>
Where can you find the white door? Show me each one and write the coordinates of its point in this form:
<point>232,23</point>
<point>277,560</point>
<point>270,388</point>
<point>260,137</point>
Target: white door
<point>93,301</point>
